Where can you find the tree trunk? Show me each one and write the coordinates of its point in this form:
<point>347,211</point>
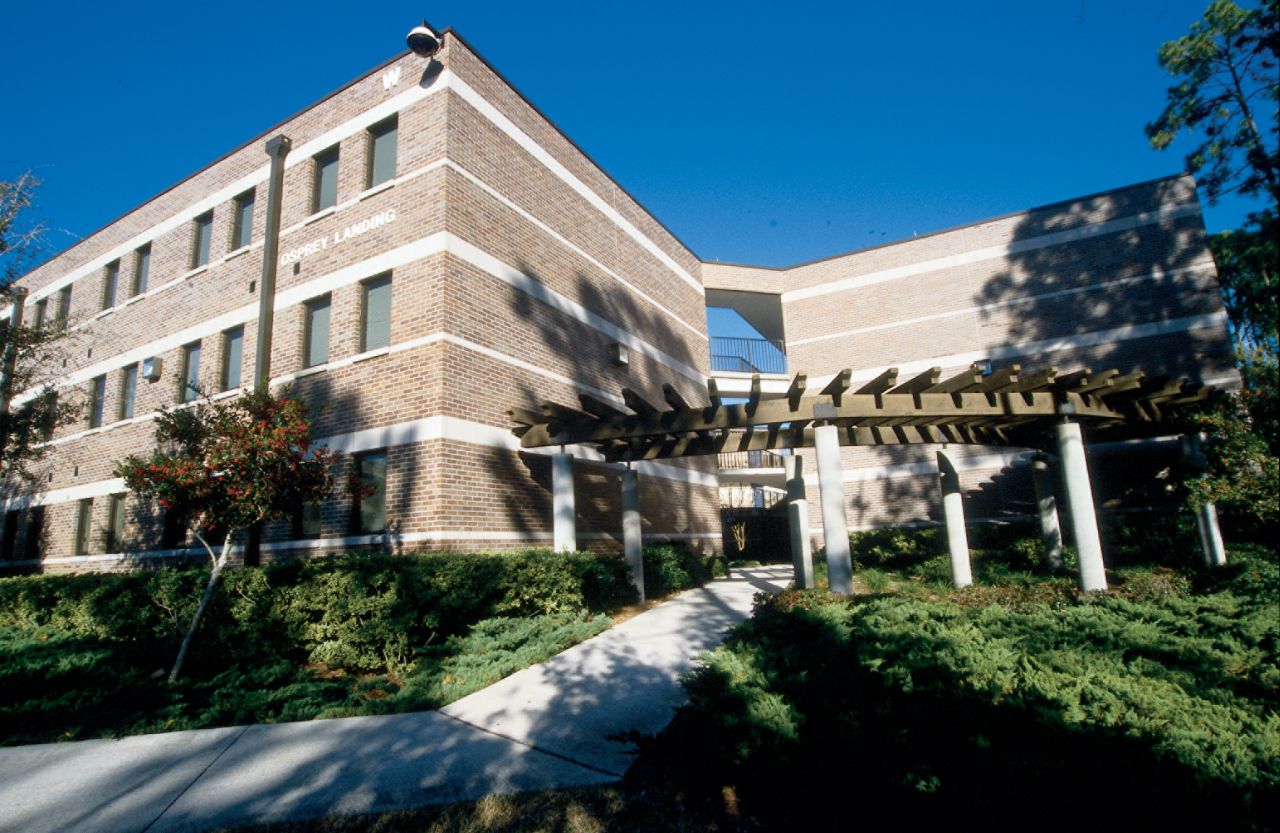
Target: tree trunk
<point>218,564</point>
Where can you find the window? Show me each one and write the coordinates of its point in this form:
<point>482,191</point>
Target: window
<point>375,313</point>
<point>141,270</point>
<point>50,420</point>
<point>369,508</point>
<point>97,400</point>
<point>315,347</point>
<point>115,523</point>
<point>9,543</point>
<point>174,532</point>
<point>110,283</point>
<point>84,525</point>
<point>382,152</point>
<point>64,307</point>
<point>242,228</point>
<point>128,391</point>
<point>34,544</point>
<point>200,243</point>
<point>189,381</point>
<point>41,310</point>
<point>232,356</point>
<point>326,185</point>
<point>307,520</point>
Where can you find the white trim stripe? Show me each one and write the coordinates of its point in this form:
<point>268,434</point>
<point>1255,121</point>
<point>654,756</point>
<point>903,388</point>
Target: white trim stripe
<point>1029,299</point>
<point>993,252</point>
<point>477,101</point>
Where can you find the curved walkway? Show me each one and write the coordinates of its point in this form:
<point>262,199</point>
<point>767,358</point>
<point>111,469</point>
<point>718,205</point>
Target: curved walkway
<point>556,724</point>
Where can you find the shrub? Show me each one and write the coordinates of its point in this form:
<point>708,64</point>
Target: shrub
<point>670,569</point>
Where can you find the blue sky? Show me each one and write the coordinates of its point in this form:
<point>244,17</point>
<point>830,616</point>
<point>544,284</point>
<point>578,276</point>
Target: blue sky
<point>760,132</point>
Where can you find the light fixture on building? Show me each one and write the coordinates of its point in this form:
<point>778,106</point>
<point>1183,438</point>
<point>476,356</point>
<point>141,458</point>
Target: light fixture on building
<point>152,368</point>
<point>619,354</point>
<point>422,41</point>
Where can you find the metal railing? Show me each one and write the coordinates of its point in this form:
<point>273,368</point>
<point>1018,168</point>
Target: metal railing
<point>747,355</point>
<point>749,460</point>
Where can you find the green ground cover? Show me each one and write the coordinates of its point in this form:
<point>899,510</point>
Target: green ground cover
<point>1016,704</point>
<point>84,656</point>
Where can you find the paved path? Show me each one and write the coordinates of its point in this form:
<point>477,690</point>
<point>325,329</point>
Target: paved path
<point>551,725</point>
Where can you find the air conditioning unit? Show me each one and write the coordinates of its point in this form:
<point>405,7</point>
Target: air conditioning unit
<point>619,354</point>
<point>152,368</point>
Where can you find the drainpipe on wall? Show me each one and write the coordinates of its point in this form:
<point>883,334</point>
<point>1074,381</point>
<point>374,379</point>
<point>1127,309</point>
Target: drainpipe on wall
<point>278,148</point>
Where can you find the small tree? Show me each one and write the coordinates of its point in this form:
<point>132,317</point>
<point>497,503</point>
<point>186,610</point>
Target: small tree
<point>226,466</point>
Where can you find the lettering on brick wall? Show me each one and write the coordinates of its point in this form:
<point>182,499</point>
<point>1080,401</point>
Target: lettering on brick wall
<point>328,241</point>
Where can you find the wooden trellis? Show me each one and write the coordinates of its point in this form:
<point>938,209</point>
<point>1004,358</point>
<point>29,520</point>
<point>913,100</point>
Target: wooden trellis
<point>1005,408</point>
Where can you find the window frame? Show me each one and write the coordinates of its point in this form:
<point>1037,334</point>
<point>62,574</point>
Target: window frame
<point>64,307</point>
<point>110,284</point>
<point>225,363</point>
<point>186,392</point>
<point>242,231</point>
<point>365,286</point>
<point>115,522</point>
<point>39,313</point>
<point>141,270</point>
<point>128,392</point>
<point>309,308</point>
<point>391,124</point>
<point>84,526</point>
<point>319,161</point>
<point>97,401</point>
<point>202,240</point>
<point>359,501</point>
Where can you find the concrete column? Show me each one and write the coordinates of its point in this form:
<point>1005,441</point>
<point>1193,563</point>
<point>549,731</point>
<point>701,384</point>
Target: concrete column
<point>953,513</point>
<point>835,528</point>
<point>1047,509</point>
<point>278,148</point>
<point>1211,546</point>
<point>1084,522</point>
<point>632,545</point>
<point>565,525</point>
<point>798,519</point>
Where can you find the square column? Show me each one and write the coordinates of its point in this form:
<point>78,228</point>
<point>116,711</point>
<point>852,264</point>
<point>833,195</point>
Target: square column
<point>835,528</point>
<point>1084,522</point>
<point>798,521</point>
<point>632,545</point>
<point>1047,510</point>
<point>953,513</point>
<point>564,513</point>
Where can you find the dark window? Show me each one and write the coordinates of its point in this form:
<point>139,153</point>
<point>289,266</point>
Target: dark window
<point>174,533</point>
<point>33,546</point>
<point>141,270</point>
<point>315,346</point>
<point>97,400</point>
<point>49,422</point>
<point>9,543</point>
<point>64,306</point>
<point>203,234</point>
<point>115,523</point>
<point>110,283</point>
<point>232,357</point>
<point>375,313</point>
<point>382,152</point>
<point>84,525</point>
<point>41,308</point>
<point>128,391</point>
<point>325,191</point>
<point>369,508</point>
<point>307,520</point>
<point>189,381</point>
<point>242,231</point>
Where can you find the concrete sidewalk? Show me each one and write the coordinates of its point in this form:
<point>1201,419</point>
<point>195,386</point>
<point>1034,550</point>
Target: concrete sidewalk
<point>551,725</point>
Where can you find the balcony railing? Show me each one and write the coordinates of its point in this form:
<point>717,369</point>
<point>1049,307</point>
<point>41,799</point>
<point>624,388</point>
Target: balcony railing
<point>747,355</point>
<point>750,460</point>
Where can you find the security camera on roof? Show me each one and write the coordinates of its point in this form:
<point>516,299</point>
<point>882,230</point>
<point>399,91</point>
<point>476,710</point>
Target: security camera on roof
<point>422,41</point>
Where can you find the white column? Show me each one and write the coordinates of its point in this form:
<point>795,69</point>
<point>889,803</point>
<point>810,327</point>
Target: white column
<point>835,528</point>
<point>632,545</point>
<point>565,530</point>
<point>1084,523</point>
<point>1047,508</point>
<point>953,513</point>
<point>798,519</point>
<point>1211,546</point>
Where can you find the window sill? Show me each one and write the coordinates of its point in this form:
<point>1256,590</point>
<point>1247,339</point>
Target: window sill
<point>232,255</point>
<point>377,189</point>
<point>103,313</point>
<point>133,299</point>
<point>311,371</point>
<point>195,271</point>
<point>371,354</point>
<point>320,215</point>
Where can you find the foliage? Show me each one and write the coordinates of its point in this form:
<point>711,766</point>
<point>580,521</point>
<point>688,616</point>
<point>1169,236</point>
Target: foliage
<point>670,569</point>
<point>1159,709</point>
<point>1249,267</point>
<point>319,638</point>
<point>1226,68</point>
